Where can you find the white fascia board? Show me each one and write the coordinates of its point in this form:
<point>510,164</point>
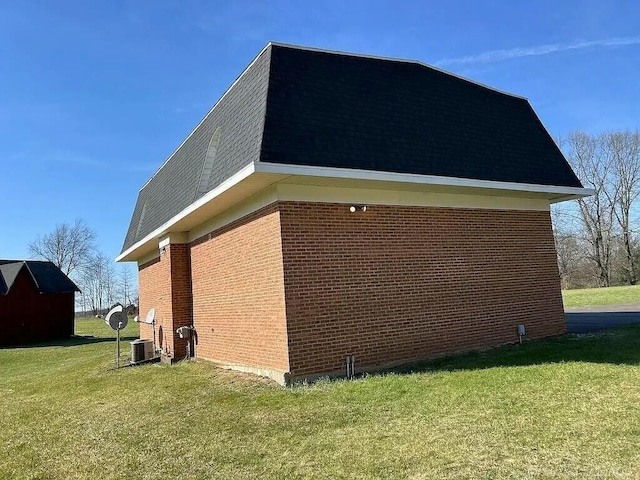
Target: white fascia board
<point>164,228</point>
<point>559,193</point>
<point>566,198</point>
<point>332,172</point>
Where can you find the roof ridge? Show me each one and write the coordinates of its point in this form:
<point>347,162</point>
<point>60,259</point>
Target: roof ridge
<point>9,281</point>
<point>397,60</point>
<point>11,260</point>
<point>33,277</point>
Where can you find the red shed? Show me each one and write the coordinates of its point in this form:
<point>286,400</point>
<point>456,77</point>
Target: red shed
<point>36,302</point>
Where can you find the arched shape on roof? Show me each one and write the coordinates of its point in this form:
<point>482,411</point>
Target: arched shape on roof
<point>207,166</point>
<point>144,210</point>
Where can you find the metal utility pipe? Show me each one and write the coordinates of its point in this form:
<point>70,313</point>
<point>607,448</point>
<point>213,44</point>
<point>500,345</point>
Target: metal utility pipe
<point>350,363</point>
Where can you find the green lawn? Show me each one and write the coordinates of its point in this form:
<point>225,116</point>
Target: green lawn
<point>563,408</point>
<point>601,296</point>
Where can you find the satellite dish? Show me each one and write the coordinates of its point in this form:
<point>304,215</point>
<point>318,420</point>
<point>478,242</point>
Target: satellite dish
<point>151,316</point>
<point>116,318</point>
<point>115,309</point>
<point>135,319</point>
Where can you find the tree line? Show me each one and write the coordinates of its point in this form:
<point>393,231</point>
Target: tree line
<point>73,249</point>
<point>597,237</point>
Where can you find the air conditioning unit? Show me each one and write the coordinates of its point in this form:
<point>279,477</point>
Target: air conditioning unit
<point>141,350</point>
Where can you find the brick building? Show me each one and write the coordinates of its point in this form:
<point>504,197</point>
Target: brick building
<point>36,302</point>
<point>333,205</point>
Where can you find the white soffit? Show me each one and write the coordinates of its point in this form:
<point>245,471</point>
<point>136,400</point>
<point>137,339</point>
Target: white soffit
<point>260,175</point>
<point>330,174</point>
<point>239,187</point>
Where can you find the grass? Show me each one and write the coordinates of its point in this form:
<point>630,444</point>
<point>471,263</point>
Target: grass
<point>561,408</point>
<point>601,296</point>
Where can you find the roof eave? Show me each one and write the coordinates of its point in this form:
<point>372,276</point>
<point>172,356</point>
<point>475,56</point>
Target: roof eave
<point>145,245</point>
<point>586,192</point>
<point>259,175</point>
<point>332,172</point>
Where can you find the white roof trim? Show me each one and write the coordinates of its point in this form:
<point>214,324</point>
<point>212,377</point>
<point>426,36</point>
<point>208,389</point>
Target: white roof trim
<point>560,193</point>
<point>223,187</point>
<point>332,172</point>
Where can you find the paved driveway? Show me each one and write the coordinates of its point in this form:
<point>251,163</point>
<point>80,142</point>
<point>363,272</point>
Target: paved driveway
<point>592,319</point>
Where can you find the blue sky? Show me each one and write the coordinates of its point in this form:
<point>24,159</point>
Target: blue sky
<point>94,96</point>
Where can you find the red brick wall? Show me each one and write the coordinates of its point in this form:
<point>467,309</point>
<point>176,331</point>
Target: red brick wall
<point>165,284</point>
<point>180,293</point>
<point>238,293</point>
<point>154,290</point>
<point>405,283</point>
<point>387,285</point>
<point>27,316</point>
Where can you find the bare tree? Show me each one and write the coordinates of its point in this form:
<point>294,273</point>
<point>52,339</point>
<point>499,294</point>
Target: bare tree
<point>602,248</point>
<point>126,286</point>
<point>568,248</point>
<point>624,151</point>
<point>98,283</point>
<point>69,247</point>
<point>591,160</point>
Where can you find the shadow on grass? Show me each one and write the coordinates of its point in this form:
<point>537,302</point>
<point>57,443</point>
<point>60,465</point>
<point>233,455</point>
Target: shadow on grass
<point>70,342</point>
<point>619,346</point>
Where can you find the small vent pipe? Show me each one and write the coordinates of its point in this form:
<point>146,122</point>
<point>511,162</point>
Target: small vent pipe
<point>350,366</point>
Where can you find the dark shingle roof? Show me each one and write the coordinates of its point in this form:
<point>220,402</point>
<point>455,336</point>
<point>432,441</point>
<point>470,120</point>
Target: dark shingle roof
<point>8,274</point>
<point>46,276</point>
<point>307,107</point>
<point>332,110</point>
<point>239,115</point>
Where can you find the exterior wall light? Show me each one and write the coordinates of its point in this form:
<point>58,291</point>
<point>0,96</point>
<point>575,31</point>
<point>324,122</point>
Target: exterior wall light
<point>357,208</point>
